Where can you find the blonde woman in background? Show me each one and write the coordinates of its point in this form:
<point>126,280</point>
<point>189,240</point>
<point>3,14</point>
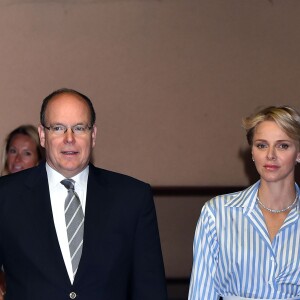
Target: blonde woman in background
<point>21,150</point>
<point>247,244</point>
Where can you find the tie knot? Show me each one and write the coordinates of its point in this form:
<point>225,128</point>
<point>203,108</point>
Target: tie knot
<point>68,183</point>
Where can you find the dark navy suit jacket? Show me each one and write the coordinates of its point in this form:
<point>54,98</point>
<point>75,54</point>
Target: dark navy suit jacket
<point>121,257</point>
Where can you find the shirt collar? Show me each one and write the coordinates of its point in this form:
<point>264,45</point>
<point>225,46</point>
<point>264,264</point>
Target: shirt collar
<point>54,177</point>
<point>244,198</point>
<point>247,198</point>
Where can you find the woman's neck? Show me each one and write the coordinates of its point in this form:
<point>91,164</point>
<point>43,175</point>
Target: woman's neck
<point>277,195</point>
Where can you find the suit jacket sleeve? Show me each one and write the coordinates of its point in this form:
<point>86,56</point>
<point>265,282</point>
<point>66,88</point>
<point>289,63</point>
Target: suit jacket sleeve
<point>148,280</point>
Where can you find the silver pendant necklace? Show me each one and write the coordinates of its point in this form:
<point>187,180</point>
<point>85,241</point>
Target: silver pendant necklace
<point>277,211</point>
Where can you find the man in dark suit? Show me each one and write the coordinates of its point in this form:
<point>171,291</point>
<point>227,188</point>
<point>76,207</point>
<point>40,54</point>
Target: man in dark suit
<point>117,257</point>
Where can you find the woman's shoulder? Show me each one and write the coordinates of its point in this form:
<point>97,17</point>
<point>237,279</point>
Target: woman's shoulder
<point>236,199</point>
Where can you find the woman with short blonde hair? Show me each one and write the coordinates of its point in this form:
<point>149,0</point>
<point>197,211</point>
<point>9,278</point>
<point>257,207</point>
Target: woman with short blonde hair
<point>247,243</point>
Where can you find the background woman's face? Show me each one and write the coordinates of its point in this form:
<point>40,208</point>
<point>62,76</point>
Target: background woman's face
<point>21,154</point>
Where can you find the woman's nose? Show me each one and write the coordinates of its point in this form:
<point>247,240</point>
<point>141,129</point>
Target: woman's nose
<point>18,157</point>
<point>271,154</point>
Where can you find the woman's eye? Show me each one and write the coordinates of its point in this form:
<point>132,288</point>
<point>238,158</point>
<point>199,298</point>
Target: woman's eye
<point>283,146</point>
<point>11,151</point>
<point>27,153</point>
<point>261,146</point>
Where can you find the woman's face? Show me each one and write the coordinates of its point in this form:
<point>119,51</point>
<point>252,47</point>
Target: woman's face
<point>21,154</point>
<point>274,152</point>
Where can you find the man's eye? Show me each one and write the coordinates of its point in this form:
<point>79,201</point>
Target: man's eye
<point>58,128</point>
<point>79,128</point>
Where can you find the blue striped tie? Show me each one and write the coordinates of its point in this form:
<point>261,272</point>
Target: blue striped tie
<point>74,223</point>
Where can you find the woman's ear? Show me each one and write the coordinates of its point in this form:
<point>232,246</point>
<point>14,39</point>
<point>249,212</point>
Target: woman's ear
<point>298,158</point>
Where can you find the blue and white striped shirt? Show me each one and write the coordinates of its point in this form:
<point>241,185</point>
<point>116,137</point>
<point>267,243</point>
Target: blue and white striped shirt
<point>233,254</point>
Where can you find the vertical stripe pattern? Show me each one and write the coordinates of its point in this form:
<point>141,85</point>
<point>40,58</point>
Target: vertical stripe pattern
<point>233,255</point>
<point>74,223</point>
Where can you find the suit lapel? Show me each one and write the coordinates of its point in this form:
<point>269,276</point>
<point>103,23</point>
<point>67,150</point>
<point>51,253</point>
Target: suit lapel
<point>44,232</point>
<point>97,210</point>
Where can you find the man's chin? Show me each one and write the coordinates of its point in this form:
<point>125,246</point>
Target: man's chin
<point>69,170</point>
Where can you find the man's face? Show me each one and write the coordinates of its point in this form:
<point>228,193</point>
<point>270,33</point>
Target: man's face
<point>67,153</point>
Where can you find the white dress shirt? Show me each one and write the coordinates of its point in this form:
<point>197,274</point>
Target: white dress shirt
<point>58,194</point>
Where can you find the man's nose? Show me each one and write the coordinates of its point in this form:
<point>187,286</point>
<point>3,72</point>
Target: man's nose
<point>69,135</point>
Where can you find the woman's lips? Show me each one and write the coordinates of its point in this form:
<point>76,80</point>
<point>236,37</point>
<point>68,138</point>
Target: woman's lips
<point>271,167</point>
<point>16,169</point>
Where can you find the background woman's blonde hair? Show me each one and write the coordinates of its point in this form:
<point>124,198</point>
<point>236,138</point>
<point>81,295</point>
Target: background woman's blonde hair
<point>286,117</point>
<point>28,130</point>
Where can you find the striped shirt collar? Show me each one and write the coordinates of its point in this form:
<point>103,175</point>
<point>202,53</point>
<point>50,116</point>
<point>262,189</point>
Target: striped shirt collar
<point>247,198</point>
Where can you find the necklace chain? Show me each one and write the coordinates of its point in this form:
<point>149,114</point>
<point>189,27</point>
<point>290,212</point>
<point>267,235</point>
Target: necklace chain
<point>277,211</point>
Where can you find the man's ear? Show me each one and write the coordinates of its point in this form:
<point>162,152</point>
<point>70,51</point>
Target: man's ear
<point>94,134</point>
<point>41,131</point>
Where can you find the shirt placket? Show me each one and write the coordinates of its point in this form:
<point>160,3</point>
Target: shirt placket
<point>271,280</point>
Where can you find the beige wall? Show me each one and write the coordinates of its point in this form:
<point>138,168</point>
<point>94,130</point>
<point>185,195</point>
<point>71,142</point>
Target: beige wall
<point>177,218</point>
<point>170,79</point>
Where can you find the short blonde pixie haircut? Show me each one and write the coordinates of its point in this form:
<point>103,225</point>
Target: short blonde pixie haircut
<point>286,117</point>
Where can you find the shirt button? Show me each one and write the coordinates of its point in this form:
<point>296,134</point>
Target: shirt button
<point>73,295</point>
